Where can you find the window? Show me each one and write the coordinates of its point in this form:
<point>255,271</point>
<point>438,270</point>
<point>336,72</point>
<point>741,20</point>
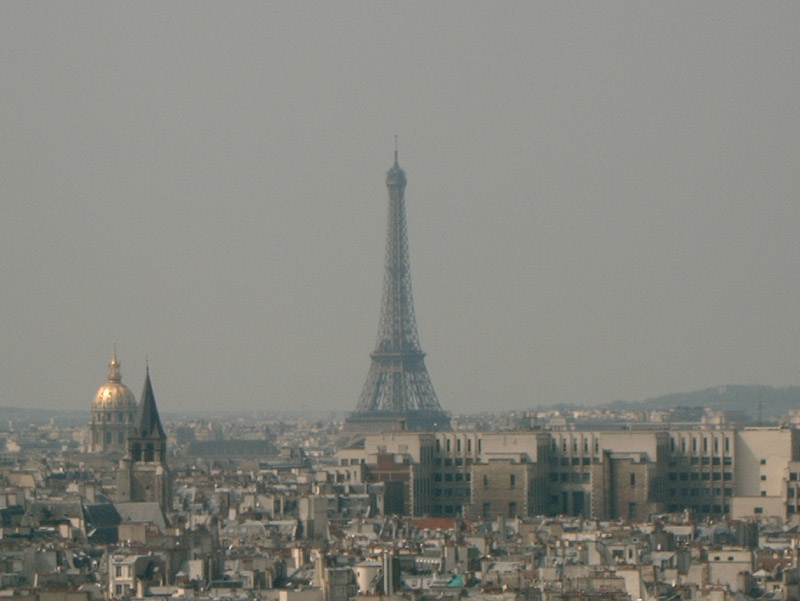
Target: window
<point>763,493</point>
<point>633,479</point>
<point>485,481</point>
<point>469,445</point>
<point>512,480</point>
<point>458,445</point>
<point>512,509</point>
<point>758,510</point>
<point>763,476</point>
<point>448,445</point>
<point>763,462</point>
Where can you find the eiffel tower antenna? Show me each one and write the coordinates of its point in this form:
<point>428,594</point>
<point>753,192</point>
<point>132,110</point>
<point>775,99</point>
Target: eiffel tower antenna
<point>398,393</point>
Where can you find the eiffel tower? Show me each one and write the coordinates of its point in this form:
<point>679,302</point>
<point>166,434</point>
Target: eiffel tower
<point>398,394</point>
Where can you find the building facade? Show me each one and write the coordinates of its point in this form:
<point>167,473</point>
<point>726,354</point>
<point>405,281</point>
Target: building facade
<point>604,474</point>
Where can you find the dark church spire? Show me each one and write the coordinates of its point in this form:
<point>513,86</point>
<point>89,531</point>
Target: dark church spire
<point>148,423</point>
<point>143,474</point>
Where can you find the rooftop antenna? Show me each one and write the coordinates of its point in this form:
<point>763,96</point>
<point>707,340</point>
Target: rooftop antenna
<point>395,149</point>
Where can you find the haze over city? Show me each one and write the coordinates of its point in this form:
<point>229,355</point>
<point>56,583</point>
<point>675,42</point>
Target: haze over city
<point>602,199</point>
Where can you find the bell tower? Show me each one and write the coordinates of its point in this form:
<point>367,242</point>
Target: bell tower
<point>143,473</point>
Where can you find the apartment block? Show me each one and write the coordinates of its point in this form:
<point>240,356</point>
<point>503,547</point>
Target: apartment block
<point>605,474</point>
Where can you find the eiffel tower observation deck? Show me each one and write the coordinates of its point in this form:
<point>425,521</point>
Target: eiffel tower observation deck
<point>398,394</point>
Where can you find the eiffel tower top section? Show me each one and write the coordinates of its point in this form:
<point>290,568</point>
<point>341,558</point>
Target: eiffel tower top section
<point>398,393</point>
<point>398,326</point>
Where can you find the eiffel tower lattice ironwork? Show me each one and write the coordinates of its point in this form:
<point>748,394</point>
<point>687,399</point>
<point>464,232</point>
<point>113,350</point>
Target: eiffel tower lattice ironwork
<point>398,392</point>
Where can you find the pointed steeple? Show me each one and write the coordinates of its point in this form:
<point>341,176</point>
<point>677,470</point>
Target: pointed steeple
<point>114,374</point>
<point>143,474</point>
<point>148,424</point>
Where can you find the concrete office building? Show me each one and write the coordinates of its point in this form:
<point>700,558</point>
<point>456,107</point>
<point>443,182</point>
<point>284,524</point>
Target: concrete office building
<point>605,474</point>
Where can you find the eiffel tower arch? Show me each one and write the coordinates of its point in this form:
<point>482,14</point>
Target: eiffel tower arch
<point>398,393</point>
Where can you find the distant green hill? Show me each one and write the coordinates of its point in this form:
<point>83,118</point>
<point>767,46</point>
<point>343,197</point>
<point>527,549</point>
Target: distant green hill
<point>774,402</point>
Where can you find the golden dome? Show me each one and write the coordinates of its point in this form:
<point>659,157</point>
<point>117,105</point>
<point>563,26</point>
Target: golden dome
<point>114,395</point>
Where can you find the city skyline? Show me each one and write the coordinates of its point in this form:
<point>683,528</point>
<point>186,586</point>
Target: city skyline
<point>602,201</point>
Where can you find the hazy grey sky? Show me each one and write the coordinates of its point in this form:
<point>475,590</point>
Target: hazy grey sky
<point>602,198</point>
